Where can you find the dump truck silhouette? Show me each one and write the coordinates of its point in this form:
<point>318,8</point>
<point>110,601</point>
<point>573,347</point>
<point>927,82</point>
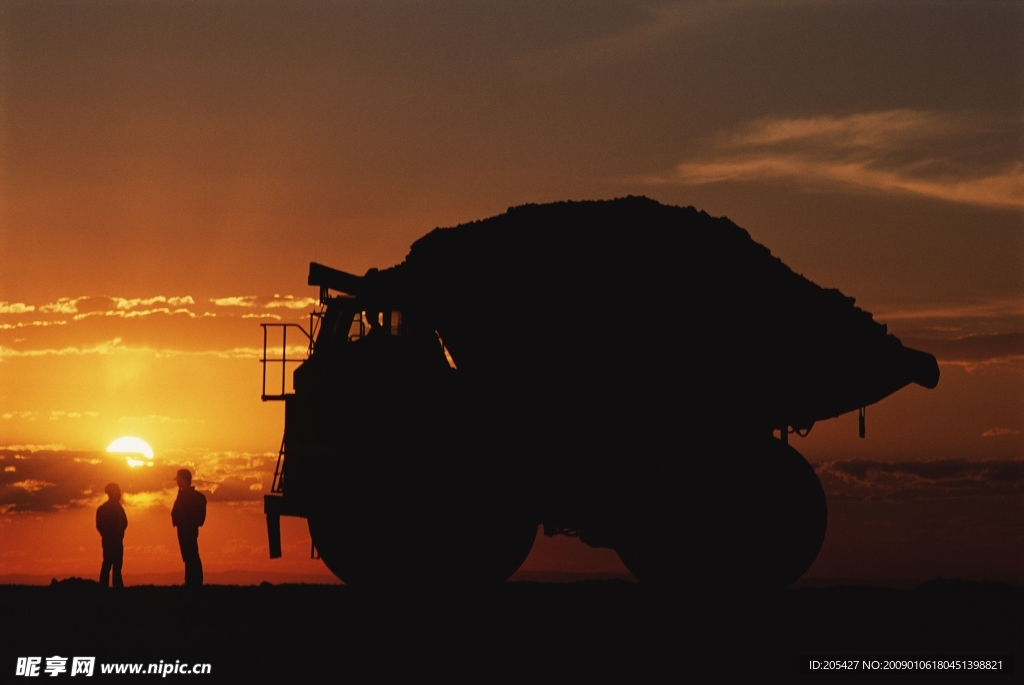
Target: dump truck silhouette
<point>622,371</point>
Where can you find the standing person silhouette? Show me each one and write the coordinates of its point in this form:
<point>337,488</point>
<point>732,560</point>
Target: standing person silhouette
<point>111,522</point>
<point>188,513</point>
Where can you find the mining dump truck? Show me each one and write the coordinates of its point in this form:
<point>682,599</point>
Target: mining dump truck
<point>621,371</point>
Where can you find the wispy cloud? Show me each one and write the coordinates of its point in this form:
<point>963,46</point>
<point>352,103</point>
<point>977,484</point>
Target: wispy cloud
<point>138,313</point>
<point>291,302</point>
<point>76,305</point>
<point>89,307</point>
<point>108,347</point>
<point>922,153</point>
<point>870,480</point>
<point>886,130</point>
<point>116,346</point>
<point>29,324</point>
<point>104,348</point>
<point>30,415</point>
<point>152,418</point>
<point>59,414</point>
<point>65,305</point>
<point>993,308</point>
<point>32,486</point>
<point>235,301</point>
<point>652,28</point>
<point>972,348</point>
<point>123,303</point>
<point>15,308</point>
<point>999,432</point>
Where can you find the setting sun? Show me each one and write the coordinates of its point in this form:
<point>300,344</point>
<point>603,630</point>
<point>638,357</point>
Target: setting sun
<point>136,446</point>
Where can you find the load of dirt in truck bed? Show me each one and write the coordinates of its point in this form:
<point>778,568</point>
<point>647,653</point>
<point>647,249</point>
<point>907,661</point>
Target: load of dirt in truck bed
<point>618,268</point>
<point>631,287</point>
<point>557,258</point>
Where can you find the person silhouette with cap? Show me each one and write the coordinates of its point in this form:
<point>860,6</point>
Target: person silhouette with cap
<point>188,513</point>
<point>111,522</point>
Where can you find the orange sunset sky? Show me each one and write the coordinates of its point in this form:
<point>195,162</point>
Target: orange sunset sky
<point>168,170</point>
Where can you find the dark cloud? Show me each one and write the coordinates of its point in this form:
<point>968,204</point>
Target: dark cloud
<point>234,489</point>
<point>972,348</point>
<point>866,480</point>
<point>50,480</point>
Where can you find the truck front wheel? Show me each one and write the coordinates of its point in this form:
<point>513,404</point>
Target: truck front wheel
<point>374,551</point>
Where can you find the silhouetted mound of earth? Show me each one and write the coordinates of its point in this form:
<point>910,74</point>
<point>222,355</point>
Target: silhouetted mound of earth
<point>75,583</point>
<point>621,628</point>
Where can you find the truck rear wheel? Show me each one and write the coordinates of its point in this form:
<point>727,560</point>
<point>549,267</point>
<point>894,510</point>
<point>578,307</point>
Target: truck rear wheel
<point>758,523</point>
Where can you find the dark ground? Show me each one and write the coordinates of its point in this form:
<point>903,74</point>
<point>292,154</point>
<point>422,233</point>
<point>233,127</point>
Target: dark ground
<point>545,631</point>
